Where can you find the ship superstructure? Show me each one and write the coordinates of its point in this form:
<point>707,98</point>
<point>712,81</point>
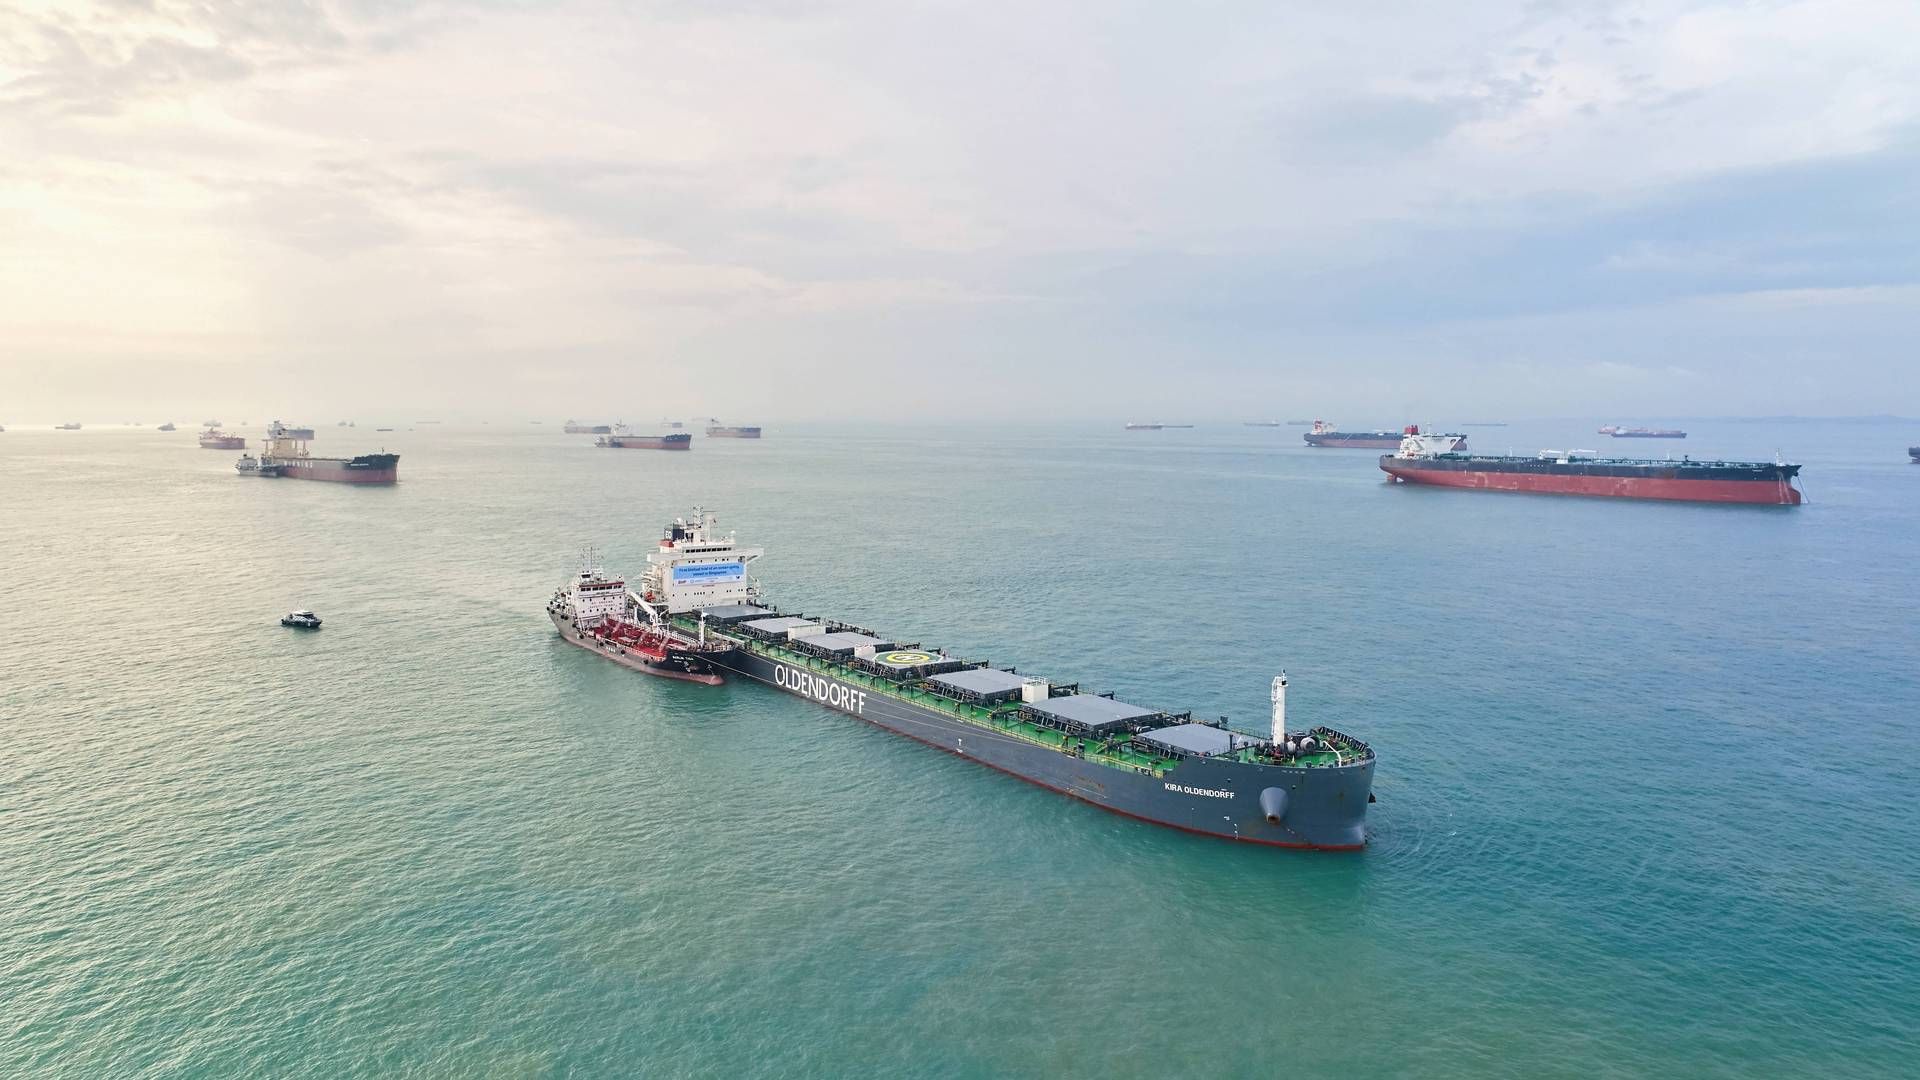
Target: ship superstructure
<point>1287,788</point>
<point>696,566</point>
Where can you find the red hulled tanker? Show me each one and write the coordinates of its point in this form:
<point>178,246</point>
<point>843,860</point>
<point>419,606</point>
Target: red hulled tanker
<point>1556,472</point>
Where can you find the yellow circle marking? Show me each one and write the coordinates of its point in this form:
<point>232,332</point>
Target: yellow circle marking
<point>907,658</point>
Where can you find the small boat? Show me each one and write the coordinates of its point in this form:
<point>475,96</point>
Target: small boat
<point>301,620</point>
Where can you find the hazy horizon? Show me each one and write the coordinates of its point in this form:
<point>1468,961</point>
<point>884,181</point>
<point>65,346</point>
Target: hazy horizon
<point>774,211</point>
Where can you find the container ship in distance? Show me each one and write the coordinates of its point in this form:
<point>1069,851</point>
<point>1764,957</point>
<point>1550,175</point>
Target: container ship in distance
<point>215,439</point>
<point>718,430</point>
<point>1324,434</point>
<point>1576,472</point>
<point>1292,788</point>
<point>621,440</point>
<point>287,456</point>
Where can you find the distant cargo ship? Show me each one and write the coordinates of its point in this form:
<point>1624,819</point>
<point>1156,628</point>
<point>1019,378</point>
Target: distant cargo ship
<point>1145,427</point>
<point>286,455</point>
<point>215,439</point>
<point>1914,453</point>
<point>1298,423</point>
<point>68,427</point>
<point>1261,423</point>
<point>717,430</point>
<point>1647,433</point>
<point>574,427</point>
<point>168,426</point>
<point>1325,434</point>
<point>626,441</point>
<point>1423,460</point>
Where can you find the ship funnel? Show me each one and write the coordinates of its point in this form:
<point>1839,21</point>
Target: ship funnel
<point>1280,709</point>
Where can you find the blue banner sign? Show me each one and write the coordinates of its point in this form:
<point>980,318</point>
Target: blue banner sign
<point>708,573</point>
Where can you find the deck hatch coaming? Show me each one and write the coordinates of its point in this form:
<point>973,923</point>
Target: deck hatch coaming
<point>1089,712</point>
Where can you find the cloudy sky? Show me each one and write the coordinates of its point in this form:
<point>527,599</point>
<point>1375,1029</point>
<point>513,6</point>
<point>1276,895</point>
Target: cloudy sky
<point>804,209</point>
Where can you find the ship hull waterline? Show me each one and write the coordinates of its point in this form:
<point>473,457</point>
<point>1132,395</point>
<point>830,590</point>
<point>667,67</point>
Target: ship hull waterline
<point>1326,807</point>
<point>1767,492</point>
<point>625,657</point>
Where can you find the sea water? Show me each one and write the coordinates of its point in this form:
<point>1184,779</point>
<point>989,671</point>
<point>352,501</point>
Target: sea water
<point>1647,772</point>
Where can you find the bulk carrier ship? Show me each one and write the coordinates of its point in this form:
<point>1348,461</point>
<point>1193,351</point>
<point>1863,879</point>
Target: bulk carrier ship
<point>1579,472</point>
<point>621,439</point>
<point>718,430</point>
<point>287,456</point>
<point>1324,434</point>
<point>215,439</point>
<point>1297,789</point>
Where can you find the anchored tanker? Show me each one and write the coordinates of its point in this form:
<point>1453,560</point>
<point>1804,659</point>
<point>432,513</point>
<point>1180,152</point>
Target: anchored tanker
<point>1288,788</point>
<point>1325,434</point>
<point>1420,460</point>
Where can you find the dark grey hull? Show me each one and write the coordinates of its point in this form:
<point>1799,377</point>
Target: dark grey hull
<point>1316,807</point>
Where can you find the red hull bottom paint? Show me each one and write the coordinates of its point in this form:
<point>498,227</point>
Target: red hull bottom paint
<point>1758,492</point>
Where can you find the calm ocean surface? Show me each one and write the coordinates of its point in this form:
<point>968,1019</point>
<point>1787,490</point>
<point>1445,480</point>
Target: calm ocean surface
<point>1647,773</point>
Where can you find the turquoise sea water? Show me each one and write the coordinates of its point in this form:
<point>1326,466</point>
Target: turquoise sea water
<point>1647,772</point>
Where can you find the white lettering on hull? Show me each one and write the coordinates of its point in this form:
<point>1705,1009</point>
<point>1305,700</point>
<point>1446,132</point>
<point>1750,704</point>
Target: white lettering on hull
<point>1208,792</point>
<point>823,690</point>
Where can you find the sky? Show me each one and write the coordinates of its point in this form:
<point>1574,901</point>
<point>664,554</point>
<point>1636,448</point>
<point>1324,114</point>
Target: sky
<point>810,210</point>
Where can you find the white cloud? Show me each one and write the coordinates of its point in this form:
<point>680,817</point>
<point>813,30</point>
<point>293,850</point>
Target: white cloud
<point>250,180</point>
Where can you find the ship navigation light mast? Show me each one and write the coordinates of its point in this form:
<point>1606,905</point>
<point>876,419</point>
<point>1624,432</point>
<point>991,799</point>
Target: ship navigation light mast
<point>1280,712</point>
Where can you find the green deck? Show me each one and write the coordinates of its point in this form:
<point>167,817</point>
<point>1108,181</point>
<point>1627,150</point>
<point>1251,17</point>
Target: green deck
<point>1002,719</point>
